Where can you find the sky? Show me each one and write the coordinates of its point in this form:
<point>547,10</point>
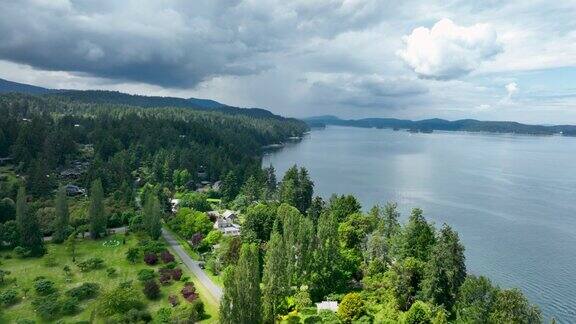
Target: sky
<point>489,60</point>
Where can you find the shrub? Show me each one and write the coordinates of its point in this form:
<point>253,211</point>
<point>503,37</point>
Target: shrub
<point>91,264</point>
<point>176,273</point>
<point>44,287</point>
<point>418,313</point>
<point>85,291</point>
<point>146,274</point>
<point>170,265</point>
<point>151,289</point>
<point>185,278</point>
<point>119,301</point>
<point>149,246</point>
<point>188,313</point>
<point>111,272</point>
<point>151,258</point>
<point>69,306</point>
<point>351,307</point>
<point>189,292</point>
<point>47,307</point>
<point>196,240</point>
<point>165,278</point>
<point>164,315</point>
<point>328,316</point>
<point>133,254</point>
<point>137,316</point>
<point>22,252</point>
<point>314,319</point>
<point>173,300</point>
<point>166,256</point>
<point>9,297</point>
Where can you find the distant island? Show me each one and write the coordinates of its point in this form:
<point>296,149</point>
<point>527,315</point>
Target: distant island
<point>430,125</point>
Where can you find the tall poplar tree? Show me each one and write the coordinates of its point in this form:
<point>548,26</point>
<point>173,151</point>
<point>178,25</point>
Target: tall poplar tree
<point>62,217</point>
<point>152,217</point>
<point>328,276</point>
<point>30,234</point>
<point>241,303</point>
<point>96,213</point>
<point>228,313</point>
<point>275,279</point>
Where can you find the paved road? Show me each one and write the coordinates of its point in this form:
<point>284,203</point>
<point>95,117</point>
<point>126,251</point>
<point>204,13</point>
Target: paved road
<point>212,288</point>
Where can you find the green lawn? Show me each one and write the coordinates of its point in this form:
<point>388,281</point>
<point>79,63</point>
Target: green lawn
<point>23,272</point>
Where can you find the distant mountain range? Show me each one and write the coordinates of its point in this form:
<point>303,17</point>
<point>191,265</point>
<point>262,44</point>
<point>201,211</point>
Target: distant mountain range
<point>10,86</point>
<point>430,125</point>
<point>119,98</point>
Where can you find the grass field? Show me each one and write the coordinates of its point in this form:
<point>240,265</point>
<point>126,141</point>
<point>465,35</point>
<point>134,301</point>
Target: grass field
<point>23,272</point>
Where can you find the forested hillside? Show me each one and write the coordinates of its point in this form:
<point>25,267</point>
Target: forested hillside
<point>46,136</point>
<point>429,125</point>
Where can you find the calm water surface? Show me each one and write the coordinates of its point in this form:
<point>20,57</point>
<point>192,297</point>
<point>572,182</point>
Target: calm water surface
<point>511,198</point>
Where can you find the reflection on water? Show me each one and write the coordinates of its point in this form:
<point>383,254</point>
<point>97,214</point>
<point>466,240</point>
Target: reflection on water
<point>511,198</point>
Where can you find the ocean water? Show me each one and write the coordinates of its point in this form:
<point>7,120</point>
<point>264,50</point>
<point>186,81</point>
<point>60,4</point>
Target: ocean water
<point>511,198</point>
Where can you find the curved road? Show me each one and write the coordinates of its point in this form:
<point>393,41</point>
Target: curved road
<point>213,289</point>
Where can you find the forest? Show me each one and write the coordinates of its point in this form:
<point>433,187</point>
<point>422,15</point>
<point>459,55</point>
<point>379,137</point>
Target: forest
<point>75,165</point>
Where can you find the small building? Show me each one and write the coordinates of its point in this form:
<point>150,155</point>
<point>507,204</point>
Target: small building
<point>73,190</point>
<point>232,230</point>
<point>230,215</point>
<point>175,204</point>
<point>327,305</point>
<point>226,222</point>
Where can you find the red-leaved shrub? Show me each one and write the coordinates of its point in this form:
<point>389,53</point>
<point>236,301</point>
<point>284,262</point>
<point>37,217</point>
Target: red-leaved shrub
<point>176,274</point>
<point>173,300</point>
<point>189,292</point>
<point>151,258</point>
<point>166,256</point>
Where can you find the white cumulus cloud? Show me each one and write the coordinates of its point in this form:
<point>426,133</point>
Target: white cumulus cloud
<point>448,51</point>
<point>511,89</point>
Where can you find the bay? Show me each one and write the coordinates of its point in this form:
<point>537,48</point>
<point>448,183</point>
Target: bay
<point>511,198</point>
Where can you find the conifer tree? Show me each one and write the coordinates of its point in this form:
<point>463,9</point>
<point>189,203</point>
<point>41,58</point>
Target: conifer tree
<point>62,217</point>
<point>96,213</point>
<point>446,270</point>
<point>30,234</point>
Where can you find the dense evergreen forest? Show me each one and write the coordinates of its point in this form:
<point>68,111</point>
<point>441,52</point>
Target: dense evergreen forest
<point>294,249</point>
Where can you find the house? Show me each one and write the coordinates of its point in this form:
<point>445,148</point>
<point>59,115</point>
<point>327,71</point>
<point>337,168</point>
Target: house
<point>204,186</point>
<point>230,215</point>
<point>232,230</point>
<point>226,222</point>
<point>72,190</point>
<point>175,204</point>
<point>327,305</point>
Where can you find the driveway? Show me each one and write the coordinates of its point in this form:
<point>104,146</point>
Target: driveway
<point>212,288</point>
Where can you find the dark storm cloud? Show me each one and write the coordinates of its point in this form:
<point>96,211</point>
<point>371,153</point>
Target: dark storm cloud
<point>369,91</point>
<point>168,43</point>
